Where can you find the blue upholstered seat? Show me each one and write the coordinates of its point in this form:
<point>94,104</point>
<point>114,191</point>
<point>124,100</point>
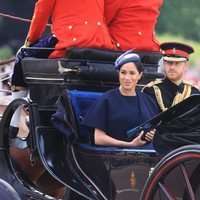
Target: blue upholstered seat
<point>81,102</point>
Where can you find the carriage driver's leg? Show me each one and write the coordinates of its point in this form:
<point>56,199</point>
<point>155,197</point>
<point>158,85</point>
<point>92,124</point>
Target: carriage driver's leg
<point>19,90</point>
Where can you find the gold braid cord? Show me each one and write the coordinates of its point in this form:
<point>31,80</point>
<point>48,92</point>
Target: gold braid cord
<point>178,98</point>
<point>181,96</point>
<point>159,98</point>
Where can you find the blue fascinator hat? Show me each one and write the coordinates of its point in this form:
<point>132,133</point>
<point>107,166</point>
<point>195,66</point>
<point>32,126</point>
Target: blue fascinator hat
<point>126,57</point>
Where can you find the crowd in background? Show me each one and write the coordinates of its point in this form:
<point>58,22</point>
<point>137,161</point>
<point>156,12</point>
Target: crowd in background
<point>193,75</point>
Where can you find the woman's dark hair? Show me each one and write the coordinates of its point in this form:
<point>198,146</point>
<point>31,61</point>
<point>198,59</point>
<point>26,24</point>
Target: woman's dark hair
<point>139,66</point>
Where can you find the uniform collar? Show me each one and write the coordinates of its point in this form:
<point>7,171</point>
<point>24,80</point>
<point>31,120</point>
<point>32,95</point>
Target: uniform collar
<point>172,86</point>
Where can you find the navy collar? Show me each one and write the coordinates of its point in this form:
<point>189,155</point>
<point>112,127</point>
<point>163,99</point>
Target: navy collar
<point>169,85</point>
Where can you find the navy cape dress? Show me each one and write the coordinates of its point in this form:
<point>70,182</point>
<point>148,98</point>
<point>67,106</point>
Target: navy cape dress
<point>114,113</point>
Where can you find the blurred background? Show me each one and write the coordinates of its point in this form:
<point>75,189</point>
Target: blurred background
<point>179,21</point>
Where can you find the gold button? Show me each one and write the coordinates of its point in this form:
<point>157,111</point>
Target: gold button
<point>139,33</point>
<point>86,23</point>
<point>118,45</point>
<point>70,27</point>
<point>74,39</point>
<point>99,23</point>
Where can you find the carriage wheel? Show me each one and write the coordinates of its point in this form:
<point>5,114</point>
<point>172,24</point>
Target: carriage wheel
<point>6,118</point>
<point>176,176</point>
<point>21,157</point>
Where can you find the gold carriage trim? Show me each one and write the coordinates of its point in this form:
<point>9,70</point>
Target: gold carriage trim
<point>133,180</point>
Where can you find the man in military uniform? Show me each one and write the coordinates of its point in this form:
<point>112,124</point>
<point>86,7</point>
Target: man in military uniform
<point>172,89</point>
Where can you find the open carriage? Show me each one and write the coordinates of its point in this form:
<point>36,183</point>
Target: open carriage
<point>47,164</point>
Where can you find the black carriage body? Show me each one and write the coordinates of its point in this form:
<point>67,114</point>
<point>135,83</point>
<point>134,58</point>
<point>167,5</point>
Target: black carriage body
<point>97,172</point>
<point>117,173</point>
<point>83,69</point>
<point>87,171</point>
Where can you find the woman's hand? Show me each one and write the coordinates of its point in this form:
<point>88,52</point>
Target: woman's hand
<point>101,138</point>
<point>138,140</point>
<point>149,135</point>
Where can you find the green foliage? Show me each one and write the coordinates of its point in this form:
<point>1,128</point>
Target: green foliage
<point>5,52</point>
<point>180,17</point>
<point>194,58</point>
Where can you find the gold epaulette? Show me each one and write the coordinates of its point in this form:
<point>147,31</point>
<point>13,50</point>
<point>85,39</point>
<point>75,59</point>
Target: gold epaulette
<point>152,83</point>
<point>190,84</point>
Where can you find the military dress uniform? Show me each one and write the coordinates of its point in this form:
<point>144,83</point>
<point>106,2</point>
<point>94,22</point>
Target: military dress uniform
<point>132,23</point>
<point>170,91</point>
<point>165,92</point>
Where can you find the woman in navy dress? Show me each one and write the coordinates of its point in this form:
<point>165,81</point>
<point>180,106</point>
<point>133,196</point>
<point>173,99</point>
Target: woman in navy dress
<point>122,108</point>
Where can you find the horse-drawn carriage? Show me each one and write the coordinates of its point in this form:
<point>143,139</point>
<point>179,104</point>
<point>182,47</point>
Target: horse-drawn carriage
<point>62,163</point>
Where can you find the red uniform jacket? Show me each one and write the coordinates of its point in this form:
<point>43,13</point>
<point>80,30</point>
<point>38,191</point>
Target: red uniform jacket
<point>75,23</point>
<point>132,23</point>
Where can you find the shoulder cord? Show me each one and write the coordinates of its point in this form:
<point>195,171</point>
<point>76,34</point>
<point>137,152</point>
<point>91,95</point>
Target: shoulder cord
<point>159,97</point>
<point>181,96</point>
<point>178,98</point>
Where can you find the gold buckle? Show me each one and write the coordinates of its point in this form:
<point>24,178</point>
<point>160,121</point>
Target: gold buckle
<point>13,88</point>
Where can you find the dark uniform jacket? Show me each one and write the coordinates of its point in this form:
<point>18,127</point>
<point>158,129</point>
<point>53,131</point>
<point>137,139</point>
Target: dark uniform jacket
<point>167,94</point>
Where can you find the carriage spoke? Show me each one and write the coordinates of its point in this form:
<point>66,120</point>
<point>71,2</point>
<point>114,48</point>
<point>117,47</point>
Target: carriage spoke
<point>187,181</point>
<point>163,187</point>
